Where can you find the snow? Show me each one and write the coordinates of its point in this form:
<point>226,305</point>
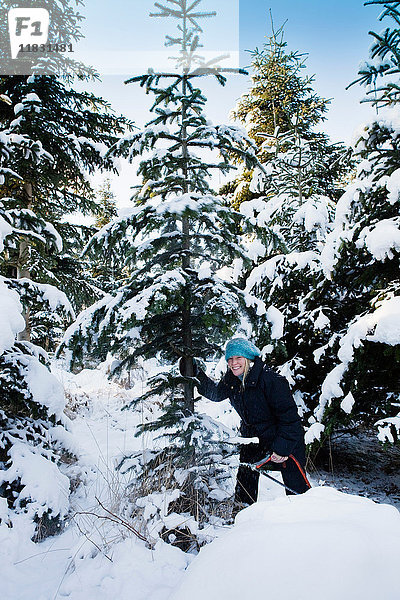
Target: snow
<point>30,102</point>
<point>387,320</point>
<point>46,390</point>
<point>256,249</point>
<point>256,302</point>
<point>270,268</point>
<point>385,429</point>
<point>11,319</point>
<point>330,388</point>
<point>322,544</point>
<point>180,204</point>
<point>314,432</point>
<point>265,270</point>
<point>163,284</point>
<point>250,208</point>
<point>204,271</point>
<point>305,541</point>
<point>18,108</point>
<point>54,233</point>
<point>42,482</point>
<point>347,403</point>
<point>70,567</point>
<point>381,239</point>
<point>322,321</point>
<point>5,230</point>
<point>83,321</point>
<point>393,186</point>
<point>55,297</point>
<point>133,573</point>
<point>277,321</point>
<point>313,213</point>
<point>380,325</point>
<point>342,229</point>
<point>50,294</point>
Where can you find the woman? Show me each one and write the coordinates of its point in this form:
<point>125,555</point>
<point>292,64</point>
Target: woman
<point>267,411</point>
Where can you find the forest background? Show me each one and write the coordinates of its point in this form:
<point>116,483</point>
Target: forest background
<point>298,251</point>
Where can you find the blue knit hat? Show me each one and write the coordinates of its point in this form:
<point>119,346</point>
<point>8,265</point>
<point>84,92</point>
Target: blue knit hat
<point>241,347</point>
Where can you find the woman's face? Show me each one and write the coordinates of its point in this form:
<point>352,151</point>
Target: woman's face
<point>237,365</point>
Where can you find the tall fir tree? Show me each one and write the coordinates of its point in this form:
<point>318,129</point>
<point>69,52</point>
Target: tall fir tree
<point>281,106</point>
<point>76,129</point>
<point>361,262</point>
<point>51,138</point>
<point>174,303</point>
<point>335,332</point>
<point>106,273</point>
<point>290,207</point>
<point>33,426</point>
<point>290,224</point>
<point>106,205</point>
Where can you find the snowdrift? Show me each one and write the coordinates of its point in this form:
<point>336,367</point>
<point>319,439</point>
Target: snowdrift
<point>323,544</point>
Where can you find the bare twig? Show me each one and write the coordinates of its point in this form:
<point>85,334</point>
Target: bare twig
<point>92,542</point>
<point>124,523</point>
<point>115,519</point>
<point>18,562</point>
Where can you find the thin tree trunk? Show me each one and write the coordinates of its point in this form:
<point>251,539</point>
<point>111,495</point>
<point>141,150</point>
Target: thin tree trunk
<point>186,310</point>
<point>22,268</point>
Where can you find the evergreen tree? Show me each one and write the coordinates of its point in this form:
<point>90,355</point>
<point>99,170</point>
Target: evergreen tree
<point>107,273</point>
<point>279,92</point>
<point>334,297</point>
<point>32,423</point>
<point>290,224</point>
<point>361,262</point>
<point>280,108</point>
<point>106,206</point>
<point>76,129</point>
<point>290,214</point>
<point>51,138</point>
<point>173,303</point>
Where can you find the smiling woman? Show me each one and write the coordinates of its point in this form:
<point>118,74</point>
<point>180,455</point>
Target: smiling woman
<point>238,354</point>
<point>238,365</point>
<point>263,400</point>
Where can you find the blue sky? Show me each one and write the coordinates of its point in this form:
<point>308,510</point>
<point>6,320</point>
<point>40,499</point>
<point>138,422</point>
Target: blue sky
<point>333,33</point>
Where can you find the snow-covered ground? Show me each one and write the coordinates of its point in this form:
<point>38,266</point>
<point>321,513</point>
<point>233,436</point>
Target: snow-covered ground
<point>320,546</point>
<point>323,545</point>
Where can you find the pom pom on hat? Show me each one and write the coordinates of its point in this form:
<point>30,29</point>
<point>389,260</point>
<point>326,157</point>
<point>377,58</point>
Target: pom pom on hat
<point>241,347</point>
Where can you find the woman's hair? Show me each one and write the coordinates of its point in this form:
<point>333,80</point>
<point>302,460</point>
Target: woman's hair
<point>246,369</point>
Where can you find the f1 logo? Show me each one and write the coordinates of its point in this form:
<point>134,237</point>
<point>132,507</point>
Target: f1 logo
<point>27,25</point>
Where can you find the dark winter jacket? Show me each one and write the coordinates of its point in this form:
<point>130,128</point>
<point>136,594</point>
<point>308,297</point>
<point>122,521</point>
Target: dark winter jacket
<point>265,406</point>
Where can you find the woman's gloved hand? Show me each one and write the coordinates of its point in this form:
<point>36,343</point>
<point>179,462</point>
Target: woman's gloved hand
<point>183,366</point>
